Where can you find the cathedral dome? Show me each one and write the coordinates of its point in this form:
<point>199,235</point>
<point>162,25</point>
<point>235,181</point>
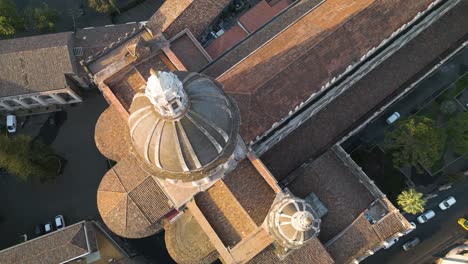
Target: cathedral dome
<point>183,126</point>
<point>293,222</point>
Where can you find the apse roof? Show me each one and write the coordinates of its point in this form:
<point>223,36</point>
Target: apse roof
<point>130,201</point>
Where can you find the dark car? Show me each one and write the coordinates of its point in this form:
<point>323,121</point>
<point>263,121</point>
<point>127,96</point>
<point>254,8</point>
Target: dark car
<point>38,230</point>
<point>411,244</point>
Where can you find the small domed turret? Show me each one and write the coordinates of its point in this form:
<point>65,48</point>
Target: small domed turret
<point>293,222</point>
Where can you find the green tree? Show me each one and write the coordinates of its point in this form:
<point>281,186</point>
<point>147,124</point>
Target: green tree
<point>25,159</point>
<point>411,201</point>
<point>415,141</point>
<point>43,18</point>
<point>102,6</point>
<point>10,20</point>
<point>456,177</point>
<point>457,130</point>
<point>448,107</point>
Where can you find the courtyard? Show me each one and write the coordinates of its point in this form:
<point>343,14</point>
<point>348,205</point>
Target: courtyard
<point>72,194</point>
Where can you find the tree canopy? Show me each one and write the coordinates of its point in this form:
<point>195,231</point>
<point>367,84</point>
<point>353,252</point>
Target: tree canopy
<point>102,6</point>
<point>43,18</point>
<point>24,158</point>
<point>411,201</point>
<point>415,141</point>
<point>457,130</point>
<point>10,20</point>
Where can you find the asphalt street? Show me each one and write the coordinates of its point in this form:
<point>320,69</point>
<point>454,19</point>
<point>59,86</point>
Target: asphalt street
<point>434,84</point>
<point>437,235</point>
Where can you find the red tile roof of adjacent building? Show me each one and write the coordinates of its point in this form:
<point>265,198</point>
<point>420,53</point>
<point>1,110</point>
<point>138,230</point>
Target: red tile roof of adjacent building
<point>257,16</point>
<point>312,252</point>
<point>226,41</point>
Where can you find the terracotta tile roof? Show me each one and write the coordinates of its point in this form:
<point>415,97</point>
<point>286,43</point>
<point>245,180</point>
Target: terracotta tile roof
<point>251,190</point>
<point>225,214</point>
<point>94,40</point>
<point>309,53</point>
<point>56,247</point>
<point>130,201</point>
<point>187,243</point>
<point>361,235</point>
<point>392,223</point>
<point>355,240</point>
<point>312,252</point>
<point>337,187</point>
<point>363,98</point>
<point>100,37</point>
<point>35,64</point>
<point>111,135</point>
<point>257,16</point>
<point>254,41</point>
<point>176,15</point>
<point>230,38</point>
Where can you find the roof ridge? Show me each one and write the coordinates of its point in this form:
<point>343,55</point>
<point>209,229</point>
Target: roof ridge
<point>125,194</point>
<point>26,50</point>
<point>139,208</point>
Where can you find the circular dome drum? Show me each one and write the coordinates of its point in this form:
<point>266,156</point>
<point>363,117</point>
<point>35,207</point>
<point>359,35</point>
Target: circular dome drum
<point>293,222</point>
<point>183,126</point>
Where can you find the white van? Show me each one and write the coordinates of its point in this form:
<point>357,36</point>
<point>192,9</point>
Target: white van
<point>394,117</point>
<point>11,123</point>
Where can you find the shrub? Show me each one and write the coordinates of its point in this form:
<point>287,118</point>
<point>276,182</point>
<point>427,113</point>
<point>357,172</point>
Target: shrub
<point>448,107</point>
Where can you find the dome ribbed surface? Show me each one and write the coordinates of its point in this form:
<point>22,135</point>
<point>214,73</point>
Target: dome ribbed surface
<point>293,222</point>
<point>189,147</point>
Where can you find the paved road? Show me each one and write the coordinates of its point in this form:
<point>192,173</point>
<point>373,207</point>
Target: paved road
<point>451,71</point>
<point>437,236</point>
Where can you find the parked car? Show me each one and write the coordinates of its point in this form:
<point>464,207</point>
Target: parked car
<point>445,204</point>
<point>394,117</point>
<point>426,216</point>
<point>39,229</point>
<point>48,227</point>
<point>413,227</point>
<point>23,238</point>
<point>11,123</point>
<point>59,222</point>
<point>463,222</point>
<point>391,243</point>
<point>411,244</point>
